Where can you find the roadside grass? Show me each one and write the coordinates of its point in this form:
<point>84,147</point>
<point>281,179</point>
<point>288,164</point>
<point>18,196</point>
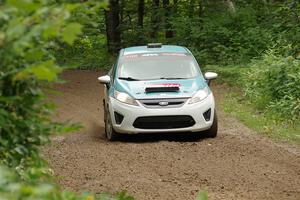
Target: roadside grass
<point>265,121</point>
<point>261,121</point>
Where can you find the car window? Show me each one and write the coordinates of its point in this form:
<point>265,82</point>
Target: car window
<point>157,66</point>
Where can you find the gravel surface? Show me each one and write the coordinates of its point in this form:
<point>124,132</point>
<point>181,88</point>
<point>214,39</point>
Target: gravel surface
<point>238,164</point>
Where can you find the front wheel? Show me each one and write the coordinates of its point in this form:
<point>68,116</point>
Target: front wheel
<point>110,133</point>
<point>213,130</point>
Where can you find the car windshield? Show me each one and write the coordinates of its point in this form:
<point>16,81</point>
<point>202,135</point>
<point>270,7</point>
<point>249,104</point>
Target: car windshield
<point>157,66</point>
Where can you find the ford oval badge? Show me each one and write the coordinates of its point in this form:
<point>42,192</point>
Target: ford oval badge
<point>163,103</point>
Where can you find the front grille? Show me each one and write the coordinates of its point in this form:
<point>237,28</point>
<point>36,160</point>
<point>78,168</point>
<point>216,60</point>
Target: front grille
<point>163,103</point>
<point>164,122</point>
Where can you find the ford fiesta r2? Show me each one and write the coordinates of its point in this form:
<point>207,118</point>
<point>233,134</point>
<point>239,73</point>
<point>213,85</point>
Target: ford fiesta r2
<point>158,89</point>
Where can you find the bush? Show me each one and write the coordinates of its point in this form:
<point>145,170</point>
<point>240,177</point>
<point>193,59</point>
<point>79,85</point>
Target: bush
<point>13,188</point>
<point>27,31</point>
<point>274,84</point>
<point>271,84</point>
<point>231,75</point>
<point>88,53</point>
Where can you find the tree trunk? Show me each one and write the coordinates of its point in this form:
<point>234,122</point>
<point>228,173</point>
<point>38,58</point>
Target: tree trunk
<point>122,6</point>
<point>200,8</point>
<point>141,9</point>
<point>168,25</point>
<point>191,8</point>
<point>154,18</point>
<point>112,20</point>
<point>230,6</point>
<point>175,3</point>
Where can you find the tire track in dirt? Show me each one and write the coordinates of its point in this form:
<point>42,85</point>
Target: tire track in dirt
<point>238,164</point>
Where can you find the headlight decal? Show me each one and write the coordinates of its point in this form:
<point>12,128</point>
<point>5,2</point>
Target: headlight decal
<point>199,96</point>
<point>125,98</point>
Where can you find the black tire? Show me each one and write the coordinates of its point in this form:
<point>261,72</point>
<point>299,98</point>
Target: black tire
<point>213,131</point>
<point>110,133</point>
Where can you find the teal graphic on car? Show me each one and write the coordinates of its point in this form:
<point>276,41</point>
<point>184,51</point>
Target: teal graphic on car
<point>157,88</point>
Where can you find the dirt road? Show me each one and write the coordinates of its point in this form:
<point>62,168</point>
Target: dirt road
<point>238,164</point>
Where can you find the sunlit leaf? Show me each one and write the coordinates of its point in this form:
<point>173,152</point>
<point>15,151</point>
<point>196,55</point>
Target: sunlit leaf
<point>44,71</point>
<point>15,28</point>
<point>34,55</point>
<point>70,32</point>
<point>51,31</point>
<point>26,5</point>
<point>43,189</point>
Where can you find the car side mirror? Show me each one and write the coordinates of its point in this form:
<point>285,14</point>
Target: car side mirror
<point>210,76</point>
<point>104,79</point>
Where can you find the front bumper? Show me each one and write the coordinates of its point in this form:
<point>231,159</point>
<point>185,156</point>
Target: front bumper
<point>131,113</point>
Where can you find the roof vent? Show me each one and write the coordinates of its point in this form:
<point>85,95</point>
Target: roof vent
<point>154,45</point>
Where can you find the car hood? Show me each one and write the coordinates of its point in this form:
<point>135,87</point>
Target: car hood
<point>136,89</point>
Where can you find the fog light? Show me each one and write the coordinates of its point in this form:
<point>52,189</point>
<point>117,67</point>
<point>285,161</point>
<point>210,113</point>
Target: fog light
<point>207,115</point>
<point>119,118</point>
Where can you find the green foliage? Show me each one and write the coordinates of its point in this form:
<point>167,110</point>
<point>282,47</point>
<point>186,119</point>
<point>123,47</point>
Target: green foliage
<point>27,29</point>
<point>88,53</point>
<point>215,34</point>
<point>274,83</point>
<point>202,196</point>
<point>260,120</point>
<point>13,188</point>
<point>265,94</point>
<point>70,32</point>
<point>224,38</point>
<point>232,75</point>
<point>90,50</point>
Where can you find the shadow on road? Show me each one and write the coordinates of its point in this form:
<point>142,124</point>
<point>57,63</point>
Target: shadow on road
<point>155,137</point>
<point>98,132</point>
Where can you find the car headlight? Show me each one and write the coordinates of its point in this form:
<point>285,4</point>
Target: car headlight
<point>125,98</point>
<point>199,96</point>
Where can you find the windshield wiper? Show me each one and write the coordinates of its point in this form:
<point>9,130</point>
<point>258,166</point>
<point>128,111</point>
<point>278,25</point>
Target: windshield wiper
<point>171,78</point>
<point>128,79</point>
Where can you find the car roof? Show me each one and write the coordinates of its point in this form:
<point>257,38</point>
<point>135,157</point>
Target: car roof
<point>162,49</point>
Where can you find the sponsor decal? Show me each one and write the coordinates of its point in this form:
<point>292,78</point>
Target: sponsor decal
<point>150,54</point>
<point>163,87</point>
<point>154,54</point>
<point>131,56</point>
<point>173,54</point>
<point>167,85</point>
